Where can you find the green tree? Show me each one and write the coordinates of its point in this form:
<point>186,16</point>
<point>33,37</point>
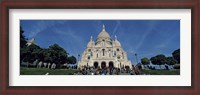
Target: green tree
<point>57,54</point>
<point>145,61</point>
<point>171,61</point>
<point>154,60</point>
<point>176,55</point>
<point>72,60</point>
<point>53,54</point>
<point>22,38</point>
<point>161,59</point>
<point>44,55</point>
<point>29,54</point>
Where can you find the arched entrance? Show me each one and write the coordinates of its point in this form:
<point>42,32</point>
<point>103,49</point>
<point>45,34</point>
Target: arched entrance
<point>96,64</point>
<point>111,64</point>
<point>103,65</point>
<point>111,67</point>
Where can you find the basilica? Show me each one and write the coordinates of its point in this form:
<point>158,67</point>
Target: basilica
<point>104,52</point>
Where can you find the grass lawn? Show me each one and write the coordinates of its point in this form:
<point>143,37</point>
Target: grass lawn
<point>43,71</point>
<point>162,72</point>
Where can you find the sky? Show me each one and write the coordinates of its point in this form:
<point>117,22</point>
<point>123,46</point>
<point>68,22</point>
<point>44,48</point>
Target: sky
<point>147,38</point>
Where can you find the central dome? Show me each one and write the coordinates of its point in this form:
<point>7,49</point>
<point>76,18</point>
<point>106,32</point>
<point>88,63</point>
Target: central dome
<point>103,33</point>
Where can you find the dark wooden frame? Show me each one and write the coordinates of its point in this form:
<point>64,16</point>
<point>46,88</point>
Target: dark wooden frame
<point>99,4</point>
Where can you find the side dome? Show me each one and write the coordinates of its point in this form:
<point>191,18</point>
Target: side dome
<point>103,33</point>
<point>117,43</point>
<point>91,42</point>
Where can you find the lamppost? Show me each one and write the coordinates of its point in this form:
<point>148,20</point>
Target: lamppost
<point>136,57</point>
<point>78,56</point>
<point>77,61</point>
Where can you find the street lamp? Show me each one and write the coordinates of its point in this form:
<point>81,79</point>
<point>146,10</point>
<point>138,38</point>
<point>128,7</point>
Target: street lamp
<point>78,56</point>
<point>136,57</point>
<point>77,61</point>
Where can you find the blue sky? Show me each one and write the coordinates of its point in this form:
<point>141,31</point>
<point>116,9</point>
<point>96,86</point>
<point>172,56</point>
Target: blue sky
<point>147,38</point>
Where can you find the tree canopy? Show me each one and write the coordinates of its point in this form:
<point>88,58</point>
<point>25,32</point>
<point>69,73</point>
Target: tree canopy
<point>176,55</point>
<point>72,60</point>
<point>145,61</point>
<point>171,60</point>
<point>159,59</point>
<point>58,54</point>
<point>53,54</point>
<point>30,53</point>
<point>22,38</point>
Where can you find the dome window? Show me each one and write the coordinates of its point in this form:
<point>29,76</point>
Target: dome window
<point>103,51</point>
<point>114,53</point>
<point>118,57</point>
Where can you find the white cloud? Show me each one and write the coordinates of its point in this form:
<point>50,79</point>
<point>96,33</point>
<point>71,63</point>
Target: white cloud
<point>147,32</point>
<point>41,26</point>
<point>116,28</point>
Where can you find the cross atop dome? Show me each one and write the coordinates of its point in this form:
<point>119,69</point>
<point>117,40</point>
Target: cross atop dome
<point>103,33</point>
<point>91,39</point>
<point>115,37</point>
<point>104,28</point>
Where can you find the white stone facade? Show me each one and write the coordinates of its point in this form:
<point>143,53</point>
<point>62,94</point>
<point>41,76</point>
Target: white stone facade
<point>105,52</point>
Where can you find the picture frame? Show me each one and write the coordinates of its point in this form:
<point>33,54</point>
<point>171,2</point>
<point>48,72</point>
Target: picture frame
<point>99,4</point>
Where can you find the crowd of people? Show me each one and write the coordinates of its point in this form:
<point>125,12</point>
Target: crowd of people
<point>107,71</point>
